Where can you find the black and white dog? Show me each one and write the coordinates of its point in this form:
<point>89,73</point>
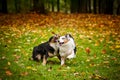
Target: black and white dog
<point>45,50</point>
<point>67,48</point>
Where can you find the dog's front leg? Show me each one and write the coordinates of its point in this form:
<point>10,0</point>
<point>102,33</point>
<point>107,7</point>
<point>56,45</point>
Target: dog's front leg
<point>59,57</point>
<point>44,60</point>
<point>62,60</point>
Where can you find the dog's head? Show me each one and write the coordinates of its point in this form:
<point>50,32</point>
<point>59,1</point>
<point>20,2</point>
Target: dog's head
<point>64,39</point>
<point>54,38</point>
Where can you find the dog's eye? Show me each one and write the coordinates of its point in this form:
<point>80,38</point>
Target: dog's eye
<point>63,38</point>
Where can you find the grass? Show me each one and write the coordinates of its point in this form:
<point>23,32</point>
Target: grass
<point>102,63</point>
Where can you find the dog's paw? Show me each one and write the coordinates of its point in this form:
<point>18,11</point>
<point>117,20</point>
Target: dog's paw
<point>63,65</point>
<point>31,59</point>
<point>43,64</point>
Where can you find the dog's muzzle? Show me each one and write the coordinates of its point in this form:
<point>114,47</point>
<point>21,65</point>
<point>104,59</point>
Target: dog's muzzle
<point>60,43</point>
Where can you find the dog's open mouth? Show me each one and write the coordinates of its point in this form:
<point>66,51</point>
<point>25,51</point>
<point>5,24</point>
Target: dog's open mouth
<point>61,43</point>
<point>55,39</point>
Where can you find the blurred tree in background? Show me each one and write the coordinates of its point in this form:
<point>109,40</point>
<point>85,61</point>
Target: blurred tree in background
<point>66,6</point>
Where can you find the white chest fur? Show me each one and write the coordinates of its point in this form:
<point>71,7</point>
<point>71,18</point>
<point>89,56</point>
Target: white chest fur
<point>54,45</point>
<point>67,50</point>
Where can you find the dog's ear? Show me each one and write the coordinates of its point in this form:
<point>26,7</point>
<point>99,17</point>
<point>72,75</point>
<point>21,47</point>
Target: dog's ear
<point>55,35</point>
<point>50,39</point>
<point>53,32</point>
<point>67,35</point>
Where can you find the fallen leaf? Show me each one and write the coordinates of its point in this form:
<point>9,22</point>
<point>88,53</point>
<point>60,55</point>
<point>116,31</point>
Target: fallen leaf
<point>17,57</point>
<point>83,73</point>
<point>24,74</point>
<point>9,63</point>
<point>106,62</point>
<point>103,51</point>
<point>115,59</point>
<point>88,50</point>
<point>96,76</point>
<point>9,73</point>
<point>76,73</point>
<point>68,67</point>
<point>97,43</point>
<point>50,68</point>
<point>3,57</point>
<point>92,64</point>
<point>31,68</point>
<point>88,60</point>
<point>95,55</point>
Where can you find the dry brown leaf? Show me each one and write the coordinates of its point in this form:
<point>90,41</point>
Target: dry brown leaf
<point>24,74</point>
<point>8,72</point>
<point>88,50</point>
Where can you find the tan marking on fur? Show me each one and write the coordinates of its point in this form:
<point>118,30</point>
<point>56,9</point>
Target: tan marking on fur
<point>55,36</point>
<point>44,60</point>
<point>38,56</point>
<point>66,40</point>
<point>50,54</point>
<point>52,41</point>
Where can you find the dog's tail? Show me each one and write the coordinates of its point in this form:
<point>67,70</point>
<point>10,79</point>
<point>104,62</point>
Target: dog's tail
<point>75,50</point>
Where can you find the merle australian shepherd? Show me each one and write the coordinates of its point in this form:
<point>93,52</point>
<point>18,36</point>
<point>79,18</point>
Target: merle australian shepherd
<point>46,49</point>
<point>67,48</point>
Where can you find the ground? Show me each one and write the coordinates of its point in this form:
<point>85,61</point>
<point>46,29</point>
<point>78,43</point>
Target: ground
<point>97,39</point>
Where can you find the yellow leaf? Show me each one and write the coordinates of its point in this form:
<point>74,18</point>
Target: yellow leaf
<point>28,67</point>
<point>117,46</point>
<point>34,69</point>
<point>31,68</point>
<point>83,73</point>
<point>97,43</point>
<point>106,62</point>
<point>88,60</point>
<point>9,63</point>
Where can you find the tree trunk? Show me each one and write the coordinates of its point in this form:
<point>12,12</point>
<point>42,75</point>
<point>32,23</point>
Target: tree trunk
<point>4,6</point>
<point>58,5</point>
<point>115,6</point>
<point>17,6</point>
<point>92,6</point>
<point>38,6</point>
<point>96,4</point>
<point>109,8</point>
<point>52,2</point>
<point>35,5</point>
<point>102,6</point>
<point>42,7</point>
<point>88,6</point>
<point>65,1</point>
<point>83,6</point>
<point>74,6</point>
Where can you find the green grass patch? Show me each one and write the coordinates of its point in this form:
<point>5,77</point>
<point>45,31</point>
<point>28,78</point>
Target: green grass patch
<point>101,63</point>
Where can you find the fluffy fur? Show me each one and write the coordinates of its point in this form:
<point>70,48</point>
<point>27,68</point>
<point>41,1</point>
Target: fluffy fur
<point>67,48</point>
<point>45,50</point>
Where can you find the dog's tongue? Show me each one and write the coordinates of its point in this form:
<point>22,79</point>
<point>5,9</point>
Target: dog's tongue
<point>60,44</point>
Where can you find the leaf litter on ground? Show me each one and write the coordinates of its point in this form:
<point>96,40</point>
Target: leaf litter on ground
<point>95,34</point>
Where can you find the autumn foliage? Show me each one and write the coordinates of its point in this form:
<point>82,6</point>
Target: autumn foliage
<point>97,38</point>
